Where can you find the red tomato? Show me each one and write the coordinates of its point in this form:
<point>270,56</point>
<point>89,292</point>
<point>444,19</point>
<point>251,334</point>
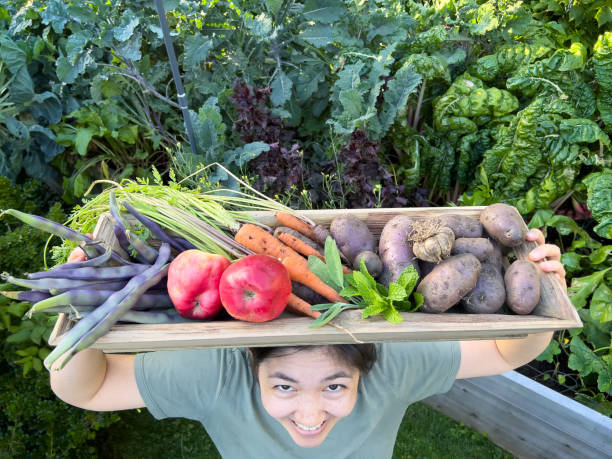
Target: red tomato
<point>255,288</point>
<point>193,283</point>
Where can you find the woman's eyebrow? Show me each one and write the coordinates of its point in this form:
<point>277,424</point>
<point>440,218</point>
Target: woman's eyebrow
<point>340,374</point>
<point>279,375</point>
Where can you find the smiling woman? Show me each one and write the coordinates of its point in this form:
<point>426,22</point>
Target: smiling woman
<point>308,390</point>
<point>334,401</point>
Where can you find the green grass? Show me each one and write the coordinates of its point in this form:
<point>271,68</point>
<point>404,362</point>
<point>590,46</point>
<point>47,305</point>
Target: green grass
<point>424,433</point>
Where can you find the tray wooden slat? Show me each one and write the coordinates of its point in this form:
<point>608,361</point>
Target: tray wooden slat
<point>554,312</point>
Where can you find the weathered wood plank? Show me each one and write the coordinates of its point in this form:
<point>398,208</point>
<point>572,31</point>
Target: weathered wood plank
<point>290,330</point>
<point>526,418</point>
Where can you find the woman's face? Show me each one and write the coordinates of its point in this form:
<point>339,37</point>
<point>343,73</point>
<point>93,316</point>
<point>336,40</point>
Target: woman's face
<point>308,392</point>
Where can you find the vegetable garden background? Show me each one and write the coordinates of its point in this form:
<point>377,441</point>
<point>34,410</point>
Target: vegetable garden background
<point>319,104</point>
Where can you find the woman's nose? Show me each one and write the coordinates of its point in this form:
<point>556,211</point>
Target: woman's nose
<point>310,411</point>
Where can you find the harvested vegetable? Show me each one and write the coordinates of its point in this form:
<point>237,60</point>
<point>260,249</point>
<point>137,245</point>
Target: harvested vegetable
<point>395,249</point>
<point>295,223</point>
<point>431,241</point>
<point>522,281</point>
<point>260,241</point>
<point>89,273</point>
<point>307,294</point>
<point>480,247</point>
<point>312,231</point>
<point>193,283</point>
<point>448,282</point>
<point>299,272</point>
<point>489,294</point>
<point>462,225</point>
<point>31,296</point>
<point>88,297</point>
<point>255,288</point>
<point>504,224</point>
<point>89,329</point>
<point>299,246</point>
<point>306,240</point>
<point>372,261</point>
<point>353,237</point>
<point>299,306</point>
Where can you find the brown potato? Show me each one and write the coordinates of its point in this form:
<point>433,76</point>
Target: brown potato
<point>480,247</point>
<point>522,281</point>
<point>489,294</point>
<point>462,225</point>
<point>504,224</point>
<point>448,282</point>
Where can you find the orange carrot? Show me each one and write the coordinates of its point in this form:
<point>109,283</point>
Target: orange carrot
<point>305,249</point>
<point>260,241</point>
<point>299,272</point>
<point>299,246</point>
<point>291,221</point>
<point>301,307</point>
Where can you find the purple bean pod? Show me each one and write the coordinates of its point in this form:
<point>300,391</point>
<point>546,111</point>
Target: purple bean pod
<point>96,324</point>
<point>99,274</point>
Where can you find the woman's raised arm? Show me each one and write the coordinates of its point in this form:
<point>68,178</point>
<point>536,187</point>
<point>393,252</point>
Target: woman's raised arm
<point>491,357</point>
<point>96,381</point>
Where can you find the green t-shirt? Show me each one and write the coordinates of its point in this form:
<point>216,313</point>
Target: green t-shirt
<point>217,388</point>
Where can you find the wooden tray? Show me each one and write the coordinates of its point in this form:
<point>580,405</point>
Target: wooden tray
<point>554,312</point>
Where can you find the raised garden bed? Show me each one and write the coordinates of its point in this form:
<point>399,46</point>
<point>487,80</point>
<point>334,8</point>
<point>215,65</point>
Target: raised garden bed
<point>527,418</point>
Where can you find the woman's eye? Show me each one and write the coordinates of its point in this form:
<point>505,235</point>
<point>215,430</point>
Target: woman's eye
<point>335,387</point>
<point>284,388</point>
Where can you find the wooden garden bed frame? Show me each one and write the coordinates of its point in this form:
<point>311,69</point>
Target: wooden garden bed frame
<point>527,418</point>
<point>554,312</point>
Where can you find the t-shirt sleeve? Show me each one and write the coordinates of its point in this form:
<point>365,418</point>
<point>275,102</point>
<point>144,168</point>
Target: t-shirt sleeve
<point>183,383</point>
<point>417,370</point>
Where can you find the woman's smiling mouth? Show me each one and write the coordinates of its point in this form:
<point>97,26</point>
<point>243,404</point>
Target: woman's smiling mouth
<point>306,430</point>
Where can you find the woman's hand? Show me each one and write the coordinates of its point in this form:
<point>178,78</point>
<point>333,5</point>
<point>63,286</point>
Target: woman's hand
<point>547,256</point>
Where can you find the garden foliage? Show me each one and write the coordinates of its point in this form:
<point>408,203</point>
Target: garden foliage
<point>330,103</point>
<point>33,421</point>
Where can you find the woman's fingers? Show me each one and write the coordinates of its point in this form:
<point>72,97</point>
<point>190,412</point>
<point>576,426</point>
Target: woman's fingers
<point>555,267</point>
<point>76,255</point>
<point>548,256</point>
<point>548,251</point>
<point>535,235</point>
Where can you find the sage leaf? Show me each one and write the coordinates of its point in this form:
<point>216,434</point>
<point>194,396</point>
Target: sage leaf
<point>334,263</point>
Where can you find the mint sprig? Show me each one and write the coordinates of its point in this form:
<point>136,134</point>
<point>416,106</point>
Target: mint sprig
<point>362,289</point>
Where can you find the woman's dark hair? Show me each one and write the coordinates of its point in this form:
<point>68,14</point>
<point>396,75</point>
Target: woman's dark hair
<point>360,356</point>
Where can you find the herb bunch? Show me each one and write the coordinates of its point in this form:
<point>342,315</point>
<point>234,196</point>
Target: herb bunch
<point>363,290</point>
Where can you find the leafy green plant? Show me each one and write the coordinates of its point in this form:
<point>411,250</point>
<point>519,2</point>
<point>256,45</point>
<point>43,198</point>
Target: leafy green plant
<point>587,351</point>
<point>33,422</point>
<point>363,290</point>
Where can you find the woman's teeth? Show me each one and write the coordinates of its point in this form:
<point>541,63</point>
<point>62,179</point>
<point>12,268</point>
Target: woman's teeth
<point>303,427</point>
